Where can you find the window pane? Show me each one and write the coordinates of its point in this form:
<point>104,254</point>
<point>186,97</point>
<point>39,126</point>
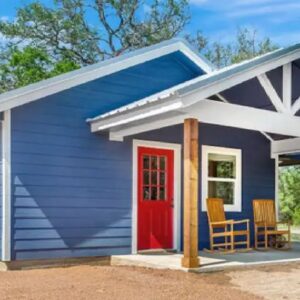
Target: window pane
<point>154,193</point>
<point>146,177</point>
<point>162,163</point>
<point>146,162</point>
<point>224,190</point>
<point>162,193</point>
<point>146,193</point>
<point>153,162</point>
<point>162,178</point>
<point>221,166</point>
<point>154,177</point>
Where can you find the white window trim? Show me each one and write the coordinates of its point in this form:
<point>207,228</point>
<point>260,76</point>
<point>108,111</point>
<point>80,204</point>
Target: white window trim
<point>237,206</point>
<point>177,189</point>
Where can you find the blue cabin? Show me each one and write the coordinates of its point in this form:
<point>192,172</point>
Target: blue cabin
<point>94,162</point>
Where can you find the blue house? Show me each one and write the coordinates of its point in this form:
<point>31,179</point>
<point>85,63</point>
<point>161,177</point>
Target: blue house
<point>93,161</point>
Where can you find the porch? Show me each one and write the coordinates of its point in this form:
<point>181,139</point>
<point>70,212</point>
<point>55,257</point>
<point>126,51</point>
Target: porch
<point>210,262</point>
<point>223,98</point>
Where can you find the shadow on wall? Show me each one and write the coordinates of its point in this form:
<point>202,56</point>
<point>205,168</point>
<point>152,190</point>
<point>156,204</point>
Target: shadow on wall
<point>72,211</point>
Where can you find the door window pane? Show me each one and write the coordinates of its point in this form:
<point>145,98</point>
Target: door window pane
<point>221,166</point>
<point>146,178</point>
<point>146,162</point>
<point>153,162</point>
<point>162,178</point>
<point>224,190</point>
<point>153,177</point>
<point>162,193</point>
<point>146,193</point>
<point>153,193</point>
<point>162,163</point>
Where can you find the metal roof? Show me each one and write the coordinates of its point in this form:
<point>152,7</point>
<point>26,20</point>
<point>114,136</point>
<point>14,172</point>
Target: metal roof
<point>204,80</point>
<point>59,83</point>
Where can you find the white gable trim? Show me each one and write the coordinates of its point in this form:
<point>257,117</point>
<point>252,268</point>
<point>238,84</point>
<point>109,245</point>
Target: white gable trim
<point>59,83</point>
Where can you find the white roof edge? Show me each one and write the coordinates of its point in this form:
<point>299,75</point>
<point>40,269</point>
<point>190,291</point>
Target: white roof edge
<point>192,85</point>
<point>68,80</point>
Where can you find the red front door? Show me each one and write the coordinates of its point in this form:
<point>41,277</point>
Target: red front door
<point>155,198</point>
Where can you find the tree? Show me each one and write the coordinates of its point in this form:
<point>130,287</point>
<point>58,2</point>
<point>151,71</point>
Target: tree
<point>44,41</point>
<point>245,46</point>
<point>289,193</point>
<point>28,65</point>
<point>65,32</point>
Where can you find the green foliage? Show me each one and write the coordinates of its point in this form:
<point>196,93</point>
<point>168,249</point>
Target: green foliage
<point>29,65</point>
<point>289,193</point>
<point>47,40</point>
<point>245,46</point>
<point>64,31</point>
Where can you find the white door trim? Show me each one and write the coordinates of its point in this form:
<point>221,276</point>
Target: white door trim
<point>177,189</point>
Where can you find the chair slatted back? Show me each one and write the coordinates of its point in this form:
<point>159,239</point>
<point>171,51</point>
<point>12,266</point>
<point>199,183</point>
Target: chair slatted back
<point>215,210</point>
<point>264,211</point>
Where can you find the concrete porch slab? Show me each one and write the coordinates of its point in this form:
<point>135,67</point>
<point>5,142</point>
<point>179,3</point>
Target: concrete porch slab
<point>210,262</point>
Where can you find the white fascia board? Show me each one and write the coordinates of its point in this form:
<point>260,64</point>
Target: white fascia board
<point>138,114</point>
<point>148,125</point>
<point>291,145</point>
<point>224,114</point>
<point>206,66</point>
<point>59,83</point>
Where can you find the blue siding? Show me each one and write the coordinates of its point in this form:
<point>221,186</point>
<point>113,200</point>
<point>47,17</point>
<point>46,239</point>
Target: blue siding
<point>71,188</point>
<point>258,169</point>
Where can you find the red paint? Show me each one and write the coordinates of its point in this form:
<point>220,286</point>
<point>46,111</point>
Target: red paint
<point>155,198</point>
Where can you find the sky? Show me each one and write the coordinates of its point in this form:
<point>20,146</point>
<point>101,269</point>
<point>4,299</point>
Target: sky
<point>220,19</point>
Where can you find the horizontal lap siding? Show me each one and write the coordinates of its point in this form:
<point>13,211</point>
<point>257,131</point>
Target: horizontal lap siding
<point>71,188</point>
<point>258,169</point>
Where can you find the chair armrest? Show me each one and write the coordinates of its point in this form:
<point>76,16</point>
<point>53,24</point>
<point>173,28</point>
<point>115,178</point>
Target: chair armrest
<point>241,221</point>
<point>227,222</point>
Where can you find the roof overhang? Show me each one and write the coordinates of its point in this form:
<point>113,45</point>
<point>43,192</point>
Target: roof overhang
<point>60,83</point>
<point>191,99</point>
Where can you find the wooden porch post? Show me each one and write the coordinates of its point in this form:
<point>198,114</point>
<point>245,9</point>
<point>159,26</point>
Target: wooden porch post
<point>191,171</point>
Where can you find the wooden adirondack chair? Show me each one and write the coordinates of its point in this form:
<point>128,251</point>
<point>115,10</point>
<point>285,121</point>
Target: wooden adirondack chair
<point>266,225</point>
<point>225,230</point>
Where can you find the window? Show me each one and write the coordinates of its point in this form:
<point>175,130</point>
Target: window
<point>154,177</point>
<point>221,176</point>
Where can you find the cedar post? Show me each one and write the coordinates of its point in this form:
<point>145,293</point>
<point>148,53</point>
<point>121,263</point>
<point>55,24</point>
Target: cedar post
<point>191,170</point>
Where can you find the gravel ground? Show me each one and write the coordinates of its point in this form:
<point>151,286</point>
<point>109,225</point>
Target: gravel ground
<point>274,282</point>
<point>94,282</point>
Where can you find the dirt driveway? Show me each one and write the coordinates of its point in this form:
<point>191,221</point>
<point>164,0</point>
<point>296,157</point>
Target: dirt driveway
<point>95,282</point>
